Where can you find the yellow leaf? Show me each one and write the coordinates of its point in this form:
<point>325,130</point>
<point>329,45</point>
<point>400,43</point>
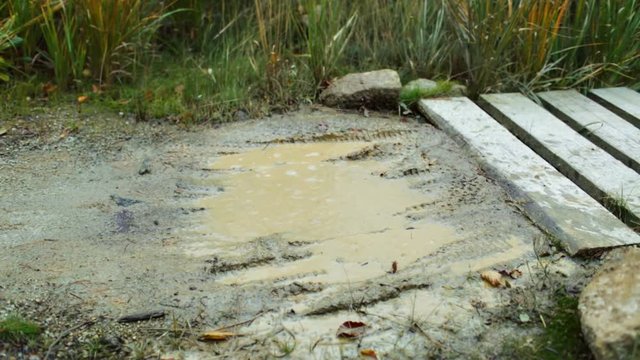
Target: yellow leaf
<point>369,353</point>
<point>82,99</point>
<point>493,278</point>
<point>217,335</point>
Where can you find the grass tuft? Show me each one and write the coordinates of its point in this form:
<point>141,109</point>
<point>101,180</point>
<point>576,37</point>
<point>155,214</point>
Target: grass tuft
<point>16,328</point>
<point>561,338</point>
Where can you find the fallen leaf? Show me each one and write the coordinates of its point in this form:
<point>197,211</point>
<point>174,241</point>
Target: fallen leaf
<point>369,353</point>
<point>351,329</point>
<point>65,132</point>
<point>96,89</point>
<point>394,267</point>
<point>82,99</point>
<point>524,318</point>
<point>217,335</point>
<point>515,273</point>
<point>493,278</point>
<point>179,89</point>
<point>48,88</point>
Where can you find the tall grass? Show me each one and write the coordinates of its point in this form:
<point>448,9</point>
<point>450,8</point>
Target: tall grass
<point>66,49</point>
<point>260,54</point>
<point>7,40</point>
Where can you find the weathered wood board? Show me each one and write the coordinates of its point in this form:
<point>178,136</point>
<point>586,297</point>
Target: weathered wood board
<point>604,128</point>
<point>622,101</point>
<point>550,199</point>
<point>597,172</point>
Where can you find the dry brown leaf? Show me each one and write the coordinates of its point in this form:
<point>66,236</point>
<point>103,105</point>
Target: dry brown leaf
<point>493,278</point>
<point>515,273</point>
<point>217,335</point>
<point>148,95</point>
<point>96,89</point>
<point>351,329</point>
<point>394,267</point>
<point>82,99</point>
<point>369,353</point>
<point>65,132</point>
<point>48,88</point>
<point>179,89</point>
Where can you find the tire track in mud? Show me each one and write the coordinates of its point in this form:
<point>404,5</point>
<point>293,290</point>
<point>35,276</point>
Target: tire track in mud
<point>352,135</point>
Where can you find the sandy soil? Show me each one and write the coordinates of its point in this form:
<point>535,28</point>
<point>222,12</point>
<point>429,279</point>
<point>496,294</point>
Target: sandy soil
<point>277,229</point>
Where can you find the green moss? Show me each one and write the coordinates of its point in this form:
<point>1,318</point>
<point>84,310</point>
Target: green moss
<point>16,328</point>
<point>561,338</point>
<point>410,96</point>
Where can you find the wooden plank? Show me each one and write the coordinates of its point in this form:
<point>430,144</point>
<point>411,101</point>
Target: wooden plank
<point>551,200</point>
<point>604,128</point>
<point>598,173</point>
<point>622,101</point>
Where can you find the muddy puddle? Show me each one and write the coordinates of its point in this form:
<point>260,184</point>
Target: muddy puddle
<point>347,220</point>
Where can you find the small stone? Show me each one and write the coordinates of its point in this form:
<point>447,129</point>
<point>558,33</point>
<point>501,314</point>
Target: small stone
<point>124,202</point>
<point>240,115</point>
<point>145,167</point>
<point>113,342</point>
<point>458,90</point>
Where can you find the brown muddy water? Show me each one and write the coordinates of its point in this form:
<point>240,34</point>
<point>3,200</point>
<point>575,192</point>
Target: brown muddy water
<point>350,217</point>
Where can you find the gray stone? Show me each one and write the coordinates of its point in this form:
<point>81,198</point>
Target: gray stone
<point>458,90</point>
<point>610,307</point>
<point>375,90</point>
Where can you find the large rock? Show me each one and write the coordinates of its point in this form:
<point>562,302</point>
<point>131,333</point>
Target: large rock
<point>375,90</point>
<point>610,307</point>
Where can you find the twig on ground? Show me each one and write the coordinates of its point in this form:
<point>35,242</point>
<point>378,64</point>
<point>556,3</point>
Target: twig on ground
<point>246,322</point>
<point>64,334</point>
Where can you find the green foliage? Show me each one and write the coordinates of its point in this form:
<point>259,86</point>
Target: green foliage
<point>327,30</point>
<point>8,39</point>
<point>66,51</point>
<point>533,45</point>
<point>15,328</point>
<point>261,54</point>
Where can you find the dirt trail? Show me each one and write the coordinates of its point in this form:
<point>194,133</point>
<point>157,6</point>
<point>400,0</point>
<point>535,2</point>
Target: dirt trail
<point>289,225</point>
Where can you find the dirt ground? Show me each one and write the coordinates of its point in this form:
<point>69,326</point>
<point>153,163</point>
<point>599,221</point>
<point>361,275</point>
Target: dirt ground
<point>207,225</point>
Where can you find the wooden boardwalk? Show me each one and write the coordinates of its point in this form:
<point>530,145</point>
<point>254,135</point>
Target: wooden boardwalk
<point>563,164</point>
